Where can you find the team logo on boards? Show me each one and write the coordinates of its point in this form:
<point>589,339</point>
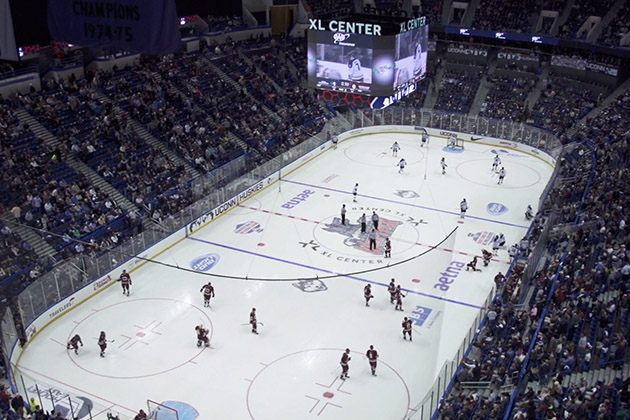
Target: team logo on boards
<point>420,315</point>
<point>496,209</point>
<point>248,227</point>
<point>406,194</point>
<point>205,262</point>
<point>310,286</point>
<point>482,238</point>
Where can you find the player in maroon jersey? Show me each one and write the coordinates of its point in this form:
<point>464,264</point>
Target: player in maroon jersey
<point>406,326</point>
<point>102,343</point>
<point>208,292</point>
<point>345,358</point>
<point>372,355</point>
<point>74,343</point>
<point>487,256</point>
<point>125,280</point>
<point>392,291</point>
<point>367,294</point>
<point>141,415</point>
<point>388,248</point>
<point>473,265</point>
<point>253,321</point>
<point>398,296</point>
<point>202,336</point>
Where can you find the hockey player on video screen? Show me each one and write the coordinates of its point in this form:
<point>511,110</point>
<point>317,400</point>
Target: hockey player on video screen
<point>354,64</point>
<point>417,60</point>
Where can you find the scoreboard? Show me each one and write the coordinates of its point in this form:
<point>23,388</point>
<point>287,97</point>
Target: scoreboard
<point>378,59</point>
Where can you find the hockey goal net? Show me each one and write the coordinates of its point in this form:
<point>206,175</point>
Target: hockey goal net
<point>159,411</point>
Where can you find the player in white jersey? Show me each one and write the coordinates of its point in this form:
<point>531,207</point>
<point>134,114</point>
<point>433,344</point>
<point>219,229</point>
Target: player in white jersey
<point>417,60</point>
<point>395,148</point>
<point>355,190</point>
<point>463,206</point>
<point>355,74</point>
<point>496,163</point>
<point>502,173</point>
<point>425,139</point>
<point>401,165</point>
<point>443,165</point>
<point>452,141</point>
<point>529,213</point>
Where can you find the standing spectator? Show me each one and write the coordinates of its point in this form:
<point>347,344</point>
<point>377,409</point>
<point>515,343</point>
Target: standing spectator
<point>17,403</point>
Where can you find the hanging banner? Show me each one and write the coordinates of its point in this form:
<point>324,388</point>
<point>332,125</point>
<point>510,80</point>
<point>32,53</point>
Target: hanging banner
<point>8,49</point>
<point>148,27</point>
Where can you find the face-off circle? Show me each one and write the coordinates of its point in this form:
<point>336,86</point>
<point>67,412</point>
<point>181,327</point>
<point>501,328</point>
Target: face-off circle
<point>143,339</point>
<point>474,170</point>
<point>307,383</point>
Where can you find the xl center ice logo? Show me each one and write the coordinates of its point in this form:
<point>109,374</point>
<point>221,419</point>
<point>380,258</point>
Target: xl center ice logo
<point>354,238</point>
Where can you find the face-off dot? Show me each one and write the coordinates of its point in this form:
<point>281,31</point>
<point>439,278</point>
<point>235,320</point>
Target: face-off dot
<point>328,394</point>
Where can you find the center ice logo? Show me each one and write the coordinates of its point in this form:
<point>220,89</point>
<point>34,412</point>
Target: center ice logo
<point>310,286</point>
<point>353,237</point>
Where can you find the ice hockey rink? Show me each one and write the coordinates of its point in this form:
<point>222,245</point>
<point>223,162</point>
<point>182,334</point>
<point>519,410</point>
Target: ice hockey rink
<point>314,309</point>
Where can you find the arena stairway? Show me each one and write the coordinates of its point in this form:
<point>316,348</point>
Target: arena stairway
<point>80,167</point>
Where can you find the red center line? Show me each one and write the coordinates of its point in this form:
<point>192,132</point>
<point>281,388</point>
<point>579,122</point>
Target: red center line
<point>275,213</point>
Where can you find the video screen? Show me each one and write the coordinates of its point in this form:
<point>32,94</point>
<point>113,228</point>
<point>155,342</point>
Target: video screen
<point>340,61</point>
<point>411,56</point>
<point>365,64</point>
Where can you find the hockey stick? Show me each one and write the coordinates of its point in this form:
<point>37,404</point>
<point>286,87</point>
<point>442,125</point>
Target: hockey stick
<point>107,341</point>
<point>257,322</point>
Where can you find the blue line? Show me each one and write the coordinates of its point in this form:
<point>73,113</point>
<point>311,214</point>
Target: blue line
<point>405,204</point>
<point>269,257</point>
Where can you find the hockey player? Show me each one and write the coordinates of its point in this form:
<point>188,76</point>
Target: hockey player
<point>367,294</point>
<point>125,281</point>
<point>463,206</point>
<point>375,219</point>
<point>343,214</point>
<point>496,162</point>
<point>363,222</point>
<point>355,74</point>
<point>487,256</point>
<point>372,356</point>
<point>388,248</point>
<point>372,238</point>
<point>529,213</point>
<point>399,297</point>
<point>208,292</point>
<point>512,251</point>
<point>452,141</point>
<point>401,165</point>
<point>502,173</point>
<point>495,245</point>
<point>345,358</point>
<point>473,265</point>
<point>392,290</point>
<point>418,61</point>
<point>102,343</point>
<point>443,165</point>
<point>499,279</point>
<point>253,321</point>
<point>355,190</point>
<point>202,336</point>
<point>141,415</point>
<point>395,148</point>
<point>406,327</point>
<point>425,139</point>
<point>74,343</point>
<point>501,240</point>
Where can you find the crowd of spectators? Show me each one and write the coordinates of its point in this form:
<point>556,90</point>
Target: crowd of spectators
<point>513,16</point>
<point>507,97</point>
<point>579,300</point>
<point>561,103</point>
<point>458,89</point>
<point>580,11</point>
<point>617,28</point>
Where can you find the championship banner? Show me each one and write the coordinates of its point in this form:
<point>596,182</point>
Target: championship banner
<point>8,49</point>
<point>147,27</point>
